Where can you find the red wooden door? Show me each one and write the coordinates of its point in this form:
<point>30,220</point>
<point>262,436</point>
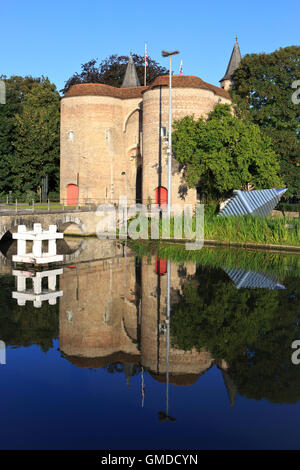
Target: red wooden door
<point>160,266</point>
<point>72,194</point>
<point>161,196</point>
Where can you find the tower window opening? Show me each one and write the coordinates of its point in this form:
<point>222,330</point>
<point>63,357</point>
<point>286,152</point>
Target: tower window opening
<point>163,131</point>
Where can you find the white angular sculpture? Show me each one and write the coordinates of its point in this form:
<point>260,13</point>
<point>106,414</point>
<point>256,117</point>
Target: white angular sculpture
<point>259,202</point>
<point>37,294</point>
<point>37,235</point>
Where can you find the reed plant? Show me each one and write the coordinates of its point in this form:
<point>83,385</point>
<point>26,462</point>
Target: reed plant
<point>245,229</point>
<point>237,229</point>
<point>265,230</point>
<point>278,263</point>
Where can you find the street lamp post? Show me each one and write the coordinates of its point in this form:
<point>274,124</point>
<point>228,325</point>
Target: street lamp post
<point>169,54</point>
<point>124,209</point>
<point>125,231</point>
<point>124,174</point>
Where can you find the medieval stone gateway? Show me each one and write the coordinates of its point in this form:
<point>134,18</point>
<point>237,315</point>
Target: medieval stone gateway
<point>113,140</point>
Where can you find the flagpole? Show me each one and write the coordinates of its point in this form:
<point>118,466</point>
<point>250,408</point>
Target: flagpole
<point>145,77</point>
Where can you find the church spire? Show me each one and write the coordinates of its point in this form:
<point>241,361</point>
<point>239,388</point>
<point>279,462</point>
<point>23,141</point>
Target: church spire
<point>130,79</point>
<point>230,387</point>
<point>233,64</point>
<point>128,369</point>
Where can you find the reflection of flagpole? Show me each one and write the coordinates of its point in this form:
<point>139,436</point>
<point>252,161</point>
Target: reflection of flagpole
<point>161,415</point>
<point>143,388</point>
<point>77,284</point>
<point>168,336</point>
<point>125,271</point>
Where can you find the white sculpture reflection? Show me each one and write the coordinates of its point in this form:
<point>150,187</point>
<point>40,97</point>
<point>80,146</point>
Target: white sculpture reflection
<point>37,294</point>
<point>2,352</point>
<point>253,279</point>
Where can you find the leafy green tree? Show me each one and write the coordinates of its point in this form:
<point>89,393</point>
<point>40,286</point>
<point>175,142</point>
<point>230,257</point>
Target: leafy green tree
<point>16,90</point>
<point>36,140</point>
<point>31,103</point>
<point>111,71</point>
<point>224,153</point>
<point>262,91</point>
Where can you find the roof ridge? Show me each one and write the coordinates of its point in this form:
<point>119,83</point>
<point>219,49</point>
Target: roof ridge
<point>187,81</point>
<point>102,89</point>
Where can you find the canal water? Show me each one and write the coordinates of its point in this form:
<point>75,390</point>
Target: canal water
<point>101,364</point>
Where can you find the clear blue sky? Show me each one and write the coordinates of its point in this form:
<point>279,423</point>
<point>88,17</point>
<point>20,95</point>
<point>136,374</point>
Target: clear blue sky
<point>53,38</point>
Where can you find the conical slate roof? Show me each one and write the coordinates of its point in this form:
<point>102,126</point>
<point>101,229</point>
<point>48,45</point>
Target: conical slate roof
<point>230,387</point>
<point>131,79</point>
<point>234,61</point>
<point>259,202</point>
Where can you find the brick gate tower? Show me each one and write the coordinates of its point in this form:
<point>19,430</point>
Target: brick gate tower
<point>113,140</point>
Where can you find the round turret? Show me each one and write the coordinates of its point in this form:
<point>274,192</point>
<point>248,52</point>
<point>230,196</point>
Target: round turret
<point>190,96</point>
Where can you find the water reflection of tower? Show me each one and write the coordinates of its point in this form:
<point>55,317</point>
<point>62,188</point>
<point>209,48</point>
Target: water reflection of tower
<point>103,329</point>
<point>165,363</point>
<point>184,365</point>
<point>119,328</point>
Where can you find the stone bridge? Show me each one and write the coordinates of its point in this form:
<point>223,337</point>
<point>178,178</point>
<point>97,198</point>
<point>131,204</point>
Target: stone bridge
<point>76,222</point>
<point>81,222</point>
<point>74,249</point>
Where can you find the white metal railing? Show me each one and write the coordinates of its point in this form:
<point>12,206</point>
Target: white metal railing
<point>83,204</point>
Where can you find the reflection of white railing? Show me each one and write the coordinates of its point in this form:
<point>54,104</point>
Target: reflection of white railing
<point>37,294</point>
<point>2,352</point>
<point>37,236</point>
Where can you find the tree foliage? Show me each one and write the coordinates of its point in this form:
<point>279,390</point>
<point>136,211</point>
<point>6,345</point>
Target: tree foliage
<point>26,325</point>
<point>262,91</point>
<point>29,135</point>
<point>36,140</point>
<point>224,153</point>
<point>111,71</point>
<point>251,329</point>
